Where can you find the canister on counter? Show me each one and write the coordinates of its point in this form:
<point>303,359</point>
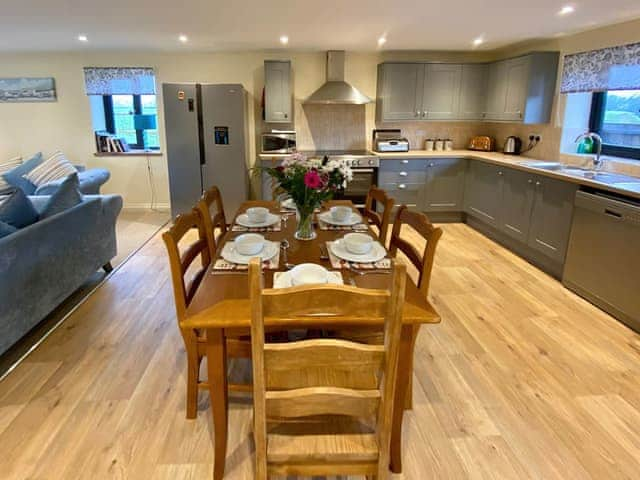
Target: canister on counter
<point>428,144</point>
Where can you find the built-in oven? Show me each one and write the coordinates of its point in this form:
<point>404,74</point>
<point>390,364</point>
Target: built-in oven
<point>279,142</point>
<point>363,179</point>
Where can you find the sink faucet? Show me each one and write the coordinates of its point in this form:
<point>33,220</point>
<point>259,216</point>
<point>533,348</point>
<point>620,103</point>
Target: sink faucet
<point>597,162</point>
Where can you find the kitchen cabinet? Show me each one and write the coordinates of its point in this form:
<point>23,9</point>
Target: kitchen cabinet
<point>551,216</point>
<point>473,91</point>
<point>517,202</point>
<point>441,91</point>
<point>400,91</point>
<point>278,104</point>
<point>483,192</point>
<point>404,181</point>
<point>444,186</point>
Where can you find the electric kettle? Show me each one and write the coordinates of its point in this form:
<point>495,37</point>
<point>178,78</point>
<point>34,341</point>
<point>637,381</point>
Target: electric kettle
<point>512,145</point>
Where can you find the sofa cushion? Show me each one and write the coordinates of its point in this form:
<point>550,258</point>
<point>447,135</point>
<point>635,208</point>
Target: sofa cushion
<point>6,229</point>
<point>53,168</point>
<point>4,168</point>
<point>15,177</point>
<point>90,182</point>
<point>18,211</point>
<point>66,196</point>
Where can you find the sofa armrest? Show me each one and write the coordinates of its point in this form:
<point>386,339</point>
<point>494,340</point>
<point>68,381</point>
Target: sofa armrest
<point>90,182</point>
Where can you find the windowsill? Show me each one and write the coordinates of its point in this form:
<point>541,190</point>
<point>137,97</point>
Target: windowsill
<point>132,153</point>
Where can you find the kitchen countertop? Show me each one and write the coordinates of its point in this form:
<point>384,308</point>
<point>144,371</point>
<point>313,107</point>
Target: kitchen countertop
<point>515,161</point>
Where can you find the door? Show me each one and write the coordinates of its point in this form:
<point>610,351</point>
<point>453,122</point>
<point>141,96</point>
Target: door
<point>441,91</point>
<point>517,202</point>
<point>482,195</point>
<point>516,83</point>
<point>444,188</point>
<point>402,91</point>
<point>473,91</point>
<point>223,126</point>
<point>496,91</point>
<point>277,91</point>
<point>551,216</point>
<point>183,152</point>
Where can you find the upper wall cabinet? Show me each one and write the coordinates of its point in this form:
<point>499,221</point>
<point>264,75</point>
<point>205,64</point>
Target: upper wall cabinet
<point>515,90</point>
<point>277,91</point>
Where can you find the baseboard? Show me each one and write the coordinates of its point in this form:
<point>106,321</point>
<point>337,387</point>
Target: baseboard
<point>161,207</point>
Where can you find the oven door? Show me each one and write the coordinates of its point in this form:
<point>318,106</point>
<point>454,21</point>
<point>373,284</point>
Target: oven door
<point>357,189</point>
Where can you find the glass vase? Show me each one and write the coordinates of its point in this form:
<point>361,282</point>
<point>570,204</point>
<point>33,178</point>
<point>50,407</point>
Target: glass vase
<point>304,230</point>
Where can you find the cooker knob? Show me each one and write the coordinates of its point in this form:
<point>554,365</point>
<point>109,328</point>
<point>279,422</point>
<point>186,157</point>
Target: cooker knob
<point>371,162</point>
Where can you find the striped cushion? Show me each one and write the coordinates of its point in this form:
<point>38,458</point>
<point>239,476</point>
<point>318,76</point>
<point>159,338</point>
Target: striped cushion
<point>55,167</point>
<point>4,168</point>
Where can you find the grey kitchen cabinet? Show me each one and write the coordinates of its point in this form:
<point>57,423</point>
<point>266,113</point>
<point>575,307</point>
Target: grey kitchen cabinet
<point>278,103</point>
<point>405,193</point>
<point>521,89</point>
<point>441,91</point>
<point>517,202</point>
<point>400,88</point>
<point>445,184</point>
<point>551,216</point>
<point>473,91</point>
<point>482,195</point>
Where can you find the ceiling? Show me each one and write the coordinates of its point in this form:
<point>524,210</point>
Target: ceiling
<point>212,25</point>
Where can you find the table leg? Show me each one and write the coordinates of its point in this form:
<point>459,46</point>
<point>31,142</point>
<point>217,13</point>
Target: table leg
<point>407,341</point>
<point>217,377</point>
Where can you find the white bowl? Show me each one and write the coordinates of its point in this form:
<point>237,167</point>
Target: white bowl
<point>257,214</point>
<point>358,243</point>
<point>309,273</point>
<point>249,243</point>
<point>340,213</point>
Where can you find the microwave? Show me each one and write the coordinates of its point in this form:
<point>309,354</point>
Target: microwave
<point>279,142</point>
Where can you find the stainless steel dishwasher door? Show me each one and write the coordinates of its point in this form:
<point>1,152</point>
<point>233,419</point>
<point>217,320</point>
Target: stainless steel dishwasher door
<point>603,256</point>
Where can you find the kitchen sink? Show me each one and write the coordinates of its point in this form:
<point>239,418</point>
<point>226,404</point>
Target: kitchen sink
<point>632,186</point>
<point>604,177</point>
<point>543,165</point>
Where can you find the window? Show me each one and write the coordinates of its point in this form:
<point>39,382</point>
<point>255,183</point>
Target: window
<point>120,112</point>
<point>615,115</point>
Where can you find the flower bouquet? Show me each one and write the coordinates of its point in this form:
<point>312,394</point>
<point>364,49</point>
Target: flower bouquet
<point>309,182</point>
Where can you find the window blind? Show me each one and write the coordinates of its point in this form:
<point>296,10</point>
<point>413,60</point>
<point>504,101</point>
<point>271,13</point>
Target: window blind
<point>119,81</point>
<point>614,68</point>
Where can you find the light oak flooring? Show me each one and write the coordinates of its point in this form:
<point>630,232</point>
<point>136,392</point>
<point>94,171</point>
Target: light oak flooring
<point>522,379</point>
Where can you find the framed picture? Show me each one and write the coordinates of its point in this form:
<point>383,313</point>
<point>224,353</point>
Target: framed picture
<point>27,90</point>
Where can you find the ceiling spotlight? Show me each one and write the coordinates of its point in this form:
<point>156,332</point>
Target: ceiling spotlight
<point>478,41</point>
<point>82,38</point>
<point>183,38</point>
<point>566,10</point>
<point>382,40</point>
<point>284,39</point>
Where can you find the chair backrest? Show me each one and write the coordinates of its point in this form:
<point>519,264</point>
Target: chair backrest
<point>422,261</point>
<point>324,376</point>
<point>183,291</point>
<point>380,220</point>
<point>213,217</point>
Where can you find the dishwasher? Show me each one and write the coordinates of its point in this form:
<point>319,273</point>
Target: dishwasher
<point>603,256</point>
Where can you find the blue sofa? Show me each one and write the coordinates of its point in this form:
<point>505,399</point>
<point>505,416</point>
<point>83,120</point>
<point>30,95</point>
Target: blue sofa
<point>44,263</point>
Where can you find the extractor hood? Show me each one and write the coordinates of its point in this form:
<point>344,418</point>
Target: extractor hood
<point>336,90</point>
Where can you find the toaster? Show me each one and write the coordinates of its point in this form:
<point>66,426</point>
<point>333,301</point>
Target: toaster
<point>389,140</point>
<point>483,143</point>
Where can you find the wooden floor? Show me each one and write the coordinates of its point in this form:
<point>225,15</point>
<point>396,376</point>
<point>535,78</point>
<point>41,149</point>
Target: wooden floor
<point>521,380</point>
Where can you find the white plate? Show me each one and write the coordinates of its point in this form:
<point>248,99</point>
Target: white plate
<point>230,254</point>
<point>289,204</point>
<point>243,220</point>
<point>376,253</point>
<point>354,219</point>
<point>283,279</point>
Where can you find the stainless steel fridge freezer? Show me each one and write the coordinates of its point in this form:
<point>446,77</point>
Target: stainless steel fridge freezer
<point>206,144</point>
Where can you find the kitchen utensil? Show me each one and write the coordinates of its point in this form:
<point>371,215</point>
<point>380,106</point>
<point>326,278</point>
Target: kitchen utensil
<point>308,274</point>
<point>249,243</point>
<point>244,220</point>
<point>340,213</point>
<point>231,254</point>
<point>358,243</point>
<point>482,143</point>
<point>284,244</point>
<point>352,219</point>
<point>257,214</point>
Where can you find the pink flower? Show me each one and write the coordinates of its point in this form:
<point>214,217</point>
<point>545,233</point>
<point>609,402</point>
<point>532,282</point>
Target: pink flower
<point>312,180</point>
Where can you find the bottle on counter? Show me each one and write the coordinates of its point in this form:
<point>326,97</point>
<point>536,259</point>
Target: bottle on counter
<point>429,144</point>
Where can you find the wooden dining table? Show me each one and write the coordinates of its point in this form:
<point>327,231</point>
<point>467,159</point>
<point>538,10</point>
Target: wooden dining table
<point>221,304</point>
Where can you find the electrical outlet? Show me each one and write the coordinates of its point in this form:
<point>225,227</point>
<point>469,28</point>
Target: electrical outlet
<point>535,136</point>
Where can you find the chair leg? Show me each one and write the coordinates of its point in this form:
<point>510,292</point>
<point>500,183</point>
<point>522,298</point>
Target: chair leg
<point>107,267</point>
<point>193,375</point>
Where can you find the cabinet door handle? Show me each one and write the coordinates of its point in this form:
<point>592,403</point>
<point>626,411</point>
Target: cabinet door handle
<point>500,173</point>
<point>432,164</point>
<point>417,113</point>
<point>404,161</point>
<point>402,186</point>
<point>538,184</point>
<point>286,115</point>
<point>403,174</point>
<point>529,181</point>
<point>424,114</point>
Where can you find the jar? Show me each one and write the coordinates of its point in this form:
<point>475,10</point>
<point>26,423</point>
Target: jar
<point>448,144</point>
<point>428,144</point>
<point>438,145</point>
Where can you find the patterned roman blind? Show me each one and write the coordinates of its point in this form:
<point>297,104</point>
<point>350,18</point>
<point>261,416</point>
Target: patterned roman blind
<point>119,81</point>
<point>614,68</point>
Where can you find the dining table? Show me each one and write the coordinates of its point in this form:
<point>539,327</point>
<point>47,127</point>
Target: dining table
<point>221,305</point>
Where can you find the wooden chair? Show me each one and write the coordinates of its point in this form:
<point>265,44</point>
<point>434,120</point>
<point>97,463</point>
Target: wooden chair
<point>422,260</point>
<point>328,401</point>
<point>380,220</point>
<point>183,292</point>
<point>213,218</point>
